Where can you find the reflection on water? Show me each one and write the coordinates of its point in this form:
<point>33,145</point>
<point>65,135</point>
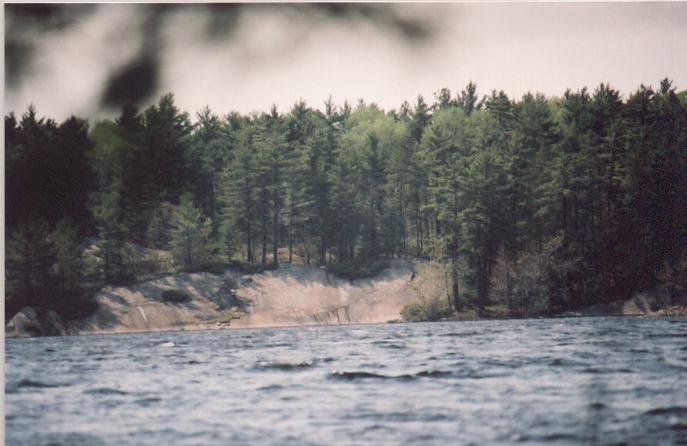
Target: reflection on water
<point>566,381</point>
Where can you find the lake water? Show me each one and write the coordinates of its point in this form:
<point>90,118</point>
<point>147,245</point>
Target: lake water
<point>555,381</point>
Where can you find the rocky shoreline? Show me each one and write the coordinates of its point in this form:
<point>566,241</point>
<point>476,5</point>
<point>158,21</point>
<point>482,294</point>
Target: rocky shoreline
<point>289,296</point>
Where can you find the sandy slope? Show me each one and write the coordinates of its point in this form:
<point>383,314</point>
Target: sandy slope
<point>298,295</point>
<point>307,295</point>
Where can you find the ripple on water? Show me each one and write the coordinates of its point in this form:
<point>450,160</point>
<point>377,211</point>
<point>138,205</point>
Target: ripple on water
<point>398,416</point>
<point>564,362</point>
<point>487,382</point>
<point>271,388</point>
<point>147,402</point>
<point>277,344</point>
<point>606,371</point>
<point>673,410</point>
<point>390,344</point>
<point>597,406</point>
<point>358,375</point>
<point>34,384</point>
<point>666,335</point>
<point>461,334</point>
<point>283,365</point>
<point>105,391</point>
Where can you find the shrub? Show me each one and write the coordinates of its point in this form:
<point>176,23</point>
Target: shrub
<point>175,295</point>
<point>429,310</point>
<point>527,284</point>
<point>413,313</point>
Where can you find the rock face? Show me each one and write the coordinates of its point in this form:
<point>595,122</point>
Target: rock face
<point>142,307</point>
<point>29,322</point>
<point>297,295</point>
<point>309,295</point>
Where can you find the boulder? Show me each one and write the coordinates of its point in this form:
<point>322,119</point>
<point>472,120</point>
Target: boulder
<point>32,322</point>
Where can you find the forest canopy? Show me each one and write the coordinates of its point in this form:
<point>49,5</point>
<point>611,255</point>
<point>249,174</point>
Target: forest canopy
<point>579,198</point>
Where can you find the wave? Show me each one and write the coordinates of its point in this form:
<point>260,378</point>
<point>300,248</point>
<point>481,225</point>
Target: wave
<point>105,391</point>
<point>283,365</point>
<point>460,335</point>
<point>271,387</point>
<point>597,406</point>
<point>389,344</point>
<point>278,344</point>
<point>666,336</point>
<point>145,402</point>
<point>352,376</point>
<point>673,410</point>
<point>398,416</point>
<point>31,384</point>
<point>605,371</point>
<point>432,374</point>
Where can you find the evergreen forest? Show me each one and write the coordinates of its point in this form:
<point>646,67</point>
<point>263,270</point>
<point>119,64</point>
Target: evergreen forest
<point>547,203</point>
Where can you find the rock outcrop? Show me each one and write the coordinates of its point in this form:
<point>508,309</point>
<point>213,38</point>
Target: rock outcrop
<point>663,300</point>
<point>288,296</point>
<point>31,322</point>
<point>142,307</point>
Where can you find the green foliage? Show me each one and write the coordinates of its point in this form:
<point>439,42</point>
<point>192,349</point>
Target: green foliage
<point>432,310</point>
<point>73,286</point>
<point>432,283</point>
<point>28,258</point>
<point>190,234</point>
<point>47,270</point>
<point>106,206</point>
<point>525,283</point>
<point>48,174</point>
<point>579,198</point>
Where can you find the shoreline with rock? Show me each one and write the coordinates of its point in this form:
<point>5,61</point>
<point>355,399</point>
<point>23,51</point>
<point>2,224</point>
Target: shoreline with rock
<point>291,296</point>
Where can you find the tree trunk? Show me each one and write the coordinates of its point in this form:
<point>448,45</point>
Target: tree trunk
<point>264,225</point>
<point>275,235</point>
<point>455,276</point>
<point>249,247</point>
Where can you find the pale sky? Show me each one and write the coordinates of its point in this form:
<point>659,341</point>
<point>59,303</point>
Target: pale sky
<point>258,56</point>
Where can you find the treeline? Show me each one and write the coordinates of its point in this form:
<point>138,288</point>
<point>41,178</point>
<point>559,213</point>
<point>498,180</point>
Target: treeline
<point>544,203</point>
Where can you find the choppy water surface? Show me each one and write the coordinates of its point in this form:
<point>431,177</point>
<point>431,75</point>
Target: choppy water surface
<point>566,381</point>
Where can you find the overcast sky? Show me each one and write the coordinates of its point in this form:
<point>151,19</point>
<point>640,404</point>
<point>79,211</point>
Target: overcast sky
<point>87,61</point>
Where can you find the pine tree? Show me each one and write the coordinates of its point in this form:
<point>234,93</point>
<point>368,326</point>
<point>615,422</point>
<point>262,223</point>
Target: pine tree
<point>28,258</point>
<point>190,233</point>
<point>70,273</point>
<point>210,151</point>
<point>468,99</point>
<point>106,206</point>
<point>239,201</point>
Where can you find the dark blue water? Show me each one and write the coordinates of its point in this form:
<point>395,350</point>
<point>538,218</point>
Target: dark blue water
<point>566,381</point>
